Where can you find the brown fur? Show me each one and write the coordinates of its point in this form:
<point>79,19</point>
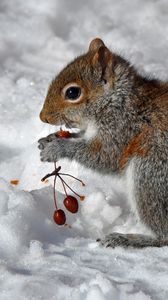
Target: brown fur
<point>138,146</point>
<point>96,146</point>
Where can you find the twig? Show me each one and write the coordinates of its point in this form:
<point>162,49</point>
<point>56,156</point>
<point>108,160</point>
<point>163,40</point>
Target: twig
<point>63,184</point>
<point>73,177</point>
<point>68,186</point>
<point>55,172</point>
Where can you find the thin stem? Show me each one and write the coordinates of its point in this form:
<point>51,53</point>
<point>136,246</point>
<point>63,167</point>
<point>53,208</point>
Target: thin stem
<point>65,174</point>
<point>63,184</point>
<point>55,200</point>
<point>68,186</point>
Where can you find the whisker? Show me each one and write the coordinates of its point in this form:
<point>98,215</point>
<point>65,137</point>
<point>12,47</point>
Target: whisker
<point>67,122</point>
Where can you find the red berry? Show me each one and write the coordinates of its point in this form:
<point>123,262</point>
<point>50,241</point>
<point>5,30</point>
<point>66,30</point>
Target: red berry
<point>59,217</point>
<point>71,204</point>
<point>63,134</point>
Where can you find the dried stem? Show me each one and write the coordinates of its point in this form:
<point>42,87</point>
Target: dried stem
<point>56,173</point>
<point>68,186</point>
<point>63,184</point>
<point>73,177</point>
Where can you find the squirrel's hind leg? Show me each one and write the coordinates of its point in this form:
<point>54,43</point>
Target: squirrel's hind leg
<point>131,240</point>
<point>149,179</point>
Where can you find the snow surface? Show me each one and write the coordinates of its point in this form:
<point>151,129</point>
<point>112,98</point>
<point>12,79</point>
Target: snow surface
<point>39,260</point>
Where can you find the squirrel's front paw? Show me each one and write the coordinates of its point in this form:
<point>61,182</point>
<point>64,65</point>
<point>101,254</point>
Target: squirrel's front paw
<point>45,140</point>
<point>51,151</point>
<point>47,154</point>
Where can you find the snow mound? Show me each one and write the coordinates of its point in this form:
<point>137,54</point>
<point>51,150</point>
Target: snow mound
<point>38,259</point>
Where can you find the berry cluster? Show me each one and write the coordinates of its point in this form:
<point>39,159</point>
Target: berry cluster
<point>70,202</point>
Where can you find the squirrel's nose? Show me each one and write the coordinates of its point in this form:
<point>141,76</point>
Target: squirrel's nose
<point>43,117</point>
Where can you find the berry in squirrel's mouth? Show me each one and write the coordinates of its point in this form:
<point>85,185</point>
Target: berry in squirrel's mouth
<point>65,132</point>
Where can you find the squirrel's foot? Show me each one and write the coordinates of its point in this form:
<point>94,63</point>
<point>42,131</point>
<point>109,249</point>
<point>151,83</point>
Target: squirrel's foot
<point>114,239</point>
<point>126,240</point>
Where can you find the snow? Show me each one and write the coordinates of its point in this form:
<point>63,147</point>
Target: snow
<point>38,259</point>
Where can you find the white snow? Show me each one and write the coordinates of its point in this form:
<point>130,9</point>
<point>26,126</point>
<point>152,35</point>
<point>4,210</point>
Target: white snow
<point>38,259</point>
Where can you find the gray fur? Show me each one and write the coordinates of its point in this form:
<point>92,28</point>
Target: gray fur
<point>119,114</point>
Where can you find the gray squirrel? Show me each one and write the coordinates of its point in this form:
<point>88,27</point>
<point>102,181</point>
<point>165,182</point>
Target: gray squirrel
<point>123,122</point>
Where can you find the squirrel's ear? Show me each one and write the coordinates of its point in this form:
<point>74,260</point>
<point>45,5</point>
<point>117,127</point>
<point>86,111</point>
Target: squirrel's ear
<point>96,44</point>
<point>103,59</point>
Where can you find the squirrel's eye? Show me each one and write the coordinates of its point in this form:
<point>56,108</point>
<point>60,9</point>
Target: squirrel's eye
<point>73,93</point>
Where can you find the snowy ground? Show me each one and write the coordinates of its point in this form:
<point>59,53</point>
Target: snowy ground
<point>39,260</point>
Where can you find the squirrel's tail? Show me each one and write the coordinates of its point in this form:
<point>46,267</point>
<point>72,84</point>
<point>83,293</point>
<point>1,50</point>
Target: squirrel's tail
<point>131,240</point>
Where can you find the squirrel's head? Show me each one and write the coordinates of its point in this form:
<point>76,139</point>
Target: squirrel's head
<point>78,86</point>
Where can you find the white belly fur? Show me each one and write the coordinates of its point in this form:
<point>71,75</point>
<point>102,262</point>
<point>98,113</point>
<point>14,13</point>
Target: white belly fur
<point>130,189</point>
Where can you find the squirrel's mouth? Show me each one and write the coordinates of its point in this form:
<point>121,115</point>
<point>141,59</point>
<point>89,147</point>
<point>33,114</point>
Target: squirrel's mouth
<point>73,127</point>
<point>87,130</point>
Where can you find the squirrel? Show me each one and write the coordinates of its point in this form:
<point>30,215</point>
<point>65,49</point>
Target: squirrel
<point>123,122</point>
